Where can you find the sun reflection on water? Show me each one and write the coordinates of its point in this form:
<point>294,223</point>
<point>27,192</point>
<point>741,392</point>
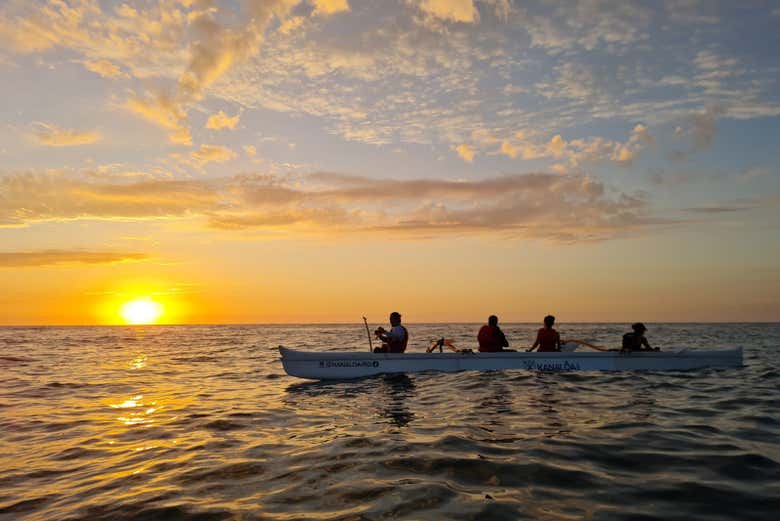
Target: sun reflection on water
<point>138,412</point>
<point>139,362</point>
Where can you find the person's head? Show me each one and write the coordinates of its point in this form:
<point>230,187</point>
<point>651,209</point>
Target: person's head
<point>493,320</point>
<point>639,328</point>
<point>395,318</point>
<point>549,320</point>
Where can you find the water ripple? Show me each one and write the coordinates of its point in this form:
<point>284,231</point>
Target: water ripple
<point>201,423</point>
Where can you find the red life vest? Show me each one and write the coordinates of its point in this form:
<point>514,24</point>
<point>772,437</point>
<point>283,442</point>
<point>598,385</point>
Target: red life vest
<point>548,339</point>
<point>488,339</point>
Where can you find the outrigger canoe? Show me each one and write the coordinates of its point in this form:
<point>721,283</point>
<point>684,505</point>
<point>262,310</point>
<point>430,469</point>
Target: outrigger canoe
<point>340,365</point>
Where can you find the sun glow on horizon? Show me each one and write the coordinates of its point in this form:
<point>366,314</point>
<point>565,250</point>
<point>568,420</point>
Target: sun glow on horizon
<point>141,310</point>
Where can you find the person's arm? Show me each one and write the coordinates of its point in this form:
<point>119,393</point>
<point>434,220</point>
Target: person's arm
<point>646,344</point>
<point>502,339</point>
<point>557,341</point>
<point>536,343</point>
<point>382,334</point>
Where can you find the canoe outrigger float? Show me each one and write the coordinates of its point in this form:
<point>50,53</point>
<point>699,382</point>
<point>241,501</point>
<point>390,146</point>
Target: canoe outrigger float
<point>341,365</point>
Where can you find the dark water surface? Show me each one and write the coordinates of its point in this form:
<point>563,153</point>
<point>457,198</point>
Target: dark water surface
<point>202,423</point>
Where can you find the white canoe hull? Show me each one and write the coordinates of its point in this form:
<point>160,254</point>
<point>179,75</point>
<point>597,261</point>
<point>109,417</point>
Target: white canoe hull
<point>340,365</point>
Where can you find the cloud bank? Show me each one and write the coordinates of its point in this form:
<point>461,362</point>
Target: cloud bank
<point>553,207</point>
<point>28,259</point>
<point>51,135</point>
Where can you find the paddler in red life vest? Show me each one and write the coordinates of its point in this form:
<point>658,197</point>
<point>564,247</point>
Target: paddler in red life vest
<point>547,339</point>
<point>395,340</point>
<point>490,337</point>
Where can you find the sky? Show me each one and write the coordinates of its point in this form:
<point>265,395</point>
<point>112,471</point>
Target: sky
<point>317,161</point>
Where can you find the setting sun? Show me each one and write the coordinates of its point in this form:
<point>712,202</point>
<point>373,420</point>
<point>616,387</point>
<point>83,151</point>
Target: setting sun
<point>141,310</point>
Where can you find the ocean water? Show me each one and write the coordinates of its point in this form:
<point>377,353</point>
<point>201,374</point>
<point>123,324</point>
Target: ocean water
<point>201,422</point>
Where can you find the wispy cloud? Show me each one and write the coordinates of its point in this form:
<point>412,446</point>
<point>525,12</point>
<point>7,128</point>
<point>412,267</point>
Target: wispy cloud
<point>698,131</point>
<point>104,68</point>
<point>28,197</point>
<point>328,7</point>
<point>220,121</point>
<point>543,206</point>
<point>424,82</point>
<point>466,152</point>
<point>717,209</point>
<point>577,153</point>
<point>214,50</point>
<point>702,126</point>
<point>29,259</point>
<point>451,10</point>
<point>161,109</point>
<point>213,153</point>
<point>51,135</point>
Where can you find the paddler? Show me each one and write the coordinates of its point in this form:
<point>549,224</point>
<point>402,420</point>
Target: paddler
<point>490,337</point>
<point>395,340</point>
<point>547,339</point>
<point>636,341</point>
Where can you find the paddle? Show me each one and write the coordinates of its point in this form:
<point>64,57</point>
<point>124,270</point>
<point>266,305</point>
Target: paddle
<point>586,344</point>
<point>370,344</point>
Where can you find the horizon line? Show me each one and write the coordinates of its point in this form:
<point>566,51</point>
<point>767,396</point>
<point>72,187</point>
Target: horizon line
<point>337,323</point>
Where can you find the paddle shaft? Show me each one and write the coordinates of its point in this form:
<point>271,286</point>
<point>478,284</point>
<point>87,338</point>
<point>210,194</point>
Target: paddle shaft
<point>370,344</point>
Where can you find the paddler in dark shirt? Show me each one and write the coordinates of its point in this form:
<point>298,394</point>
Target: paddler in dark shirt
<point>636,341</point>
<point>395,340</point>
<point>547,339</point>
<point>490,337</point>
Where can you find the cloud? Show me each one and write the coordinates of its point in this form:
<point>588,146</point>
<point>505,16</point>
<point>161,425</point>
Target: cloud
<point>548,206</point>
<point>756,172</point>
<point>588,25</point>
<point>573,64</point>
<point>28,259</point>
<point>213,153</point>
<point>185,46</point>
<point>146,40</point>
<point>713,63</point>
<point>291,25</point>
<point>216,48</point>
<point>50,135</point>
<point>220,120</point>
<point>557,146</point>
<point>702,126</point>
<point>545,206</point>
<point>737,205</point>
<point>104,68</point>
<point>250,150</point>
<point>509,149</point>
<point>716,209</point>
<point>29,197</point>
<point>161,109</point>
<point>329,7</point>
<point>518,145</point>
<point>451,10</point>
<point>699,129</point>
<point>580,152</point>
<point>466,152</point>
<point>438,87</point>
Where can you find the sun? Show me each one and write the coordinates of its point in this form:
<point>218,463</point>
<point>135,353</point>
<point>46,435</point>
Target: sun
<point>142,310</point>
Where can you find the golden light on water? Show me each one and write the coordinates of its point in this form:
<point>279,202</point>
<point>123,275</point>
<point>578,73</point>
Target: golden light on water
<point>137,411</point>
<point>142,310</point>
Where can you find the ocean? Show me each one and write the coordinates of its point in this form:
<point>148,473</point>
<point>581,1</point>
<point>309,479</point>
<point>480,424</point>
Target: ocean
<point>201,423</point>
